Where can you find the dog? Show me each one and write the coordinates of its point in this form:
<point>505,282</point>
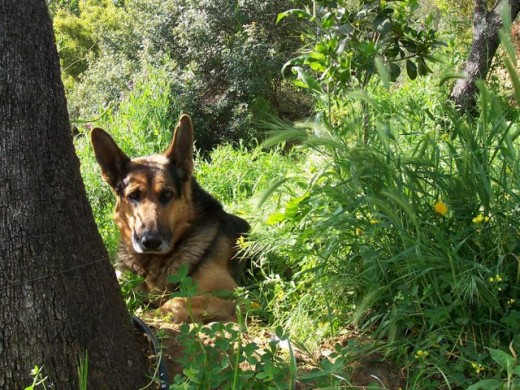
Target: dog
<point>167,221</point>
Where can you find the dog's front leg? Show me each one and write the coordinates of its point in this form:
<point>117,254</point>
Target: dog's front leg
<point>201,308</point>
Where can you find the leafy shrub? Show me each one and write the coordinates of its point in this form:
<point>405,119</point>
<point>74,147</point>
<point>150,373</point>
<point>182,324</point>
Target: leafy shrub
<point>411,238</point>
<point>352,45</point>
<point>234,55</point>
<point>224,59</point>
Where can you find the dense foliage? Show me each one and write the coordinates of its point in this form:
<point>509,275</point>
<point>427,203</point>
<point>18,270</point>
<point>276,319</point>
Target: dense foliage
<point>386,215</point>
<point>223,59</point>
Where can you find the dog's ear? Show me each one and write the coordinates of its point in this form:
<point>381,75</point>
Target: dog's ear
<point>110,157</point>
<point>180,150</point>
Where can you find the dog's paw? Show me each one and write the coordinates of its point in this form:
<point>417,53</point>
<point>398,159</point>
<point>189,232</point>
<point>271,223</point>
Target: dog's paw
<point>175,310</point>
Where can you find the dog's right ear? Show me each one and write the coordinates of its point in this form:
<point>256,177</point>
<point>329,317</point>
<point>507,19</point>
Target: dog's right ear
<point>112,160</point>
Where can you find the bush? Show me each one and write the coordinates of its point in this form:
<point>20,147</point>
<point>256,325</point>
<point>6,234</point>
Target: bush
<point>409,236</point>
<point>224,60</point>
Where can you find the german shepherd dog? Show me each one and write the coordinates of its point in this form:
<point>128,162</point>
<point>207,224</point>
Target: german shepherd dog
<point>167,220</point>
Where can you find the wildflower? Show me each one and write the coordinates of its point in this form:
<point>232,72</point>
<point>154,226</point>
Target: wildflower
<point>495,279</point>
<point>440,208</point>
<point>477,367</point>
<point>241,242</point>
<point>421,354</point>
<point>374,221</point>
<point>510,302</point>
<point>255,305</point>
<point>359,232</point>
<point>480,218</point>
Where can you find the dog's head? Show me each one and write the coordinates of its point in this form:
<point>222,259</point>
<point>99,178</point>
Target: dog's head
<point>153,206</point>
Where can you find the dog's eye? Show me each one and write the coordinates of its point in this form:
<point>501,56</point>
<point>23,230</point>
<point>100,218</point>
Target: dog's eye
<point>166,196</point>
<point>134,196</point>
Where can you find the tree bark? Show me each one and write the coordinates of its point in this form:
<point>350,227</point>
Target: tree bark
<point>486,25</point>
<point>59,297</point>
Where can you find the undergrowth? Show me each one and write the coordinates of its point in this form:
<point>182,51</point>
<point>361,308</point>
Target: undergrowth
<point>409,241</point>
<point>388,216</point>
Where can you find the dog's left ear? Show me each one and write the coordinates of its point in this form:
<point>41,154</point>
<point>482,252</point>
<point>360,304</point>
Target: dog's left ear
<point>180,150</point>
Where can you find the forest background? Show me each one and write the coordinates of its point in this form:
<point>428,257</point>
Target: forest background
<point>385,221</point>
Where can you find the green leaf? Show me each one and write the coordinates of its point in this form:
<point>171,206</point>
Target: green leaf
<point>383,72</point>
<point>503,359</point>
<point>448,76</point>
<point>181,274</point>
<point>280,333</point>
<point>392,51</point>
<point>305,80</point>
<point>411,70</point>
<point>345,29</point>
<point>487,384</point>
<point>514,77</point>
<point>395,71</point>
<point>292,207</point>
<point>275,219</point>
<point>297,12</point>
<point>382,24</point>
<point>423,68</point>
<point>341,47</point>
<point>262,375</point>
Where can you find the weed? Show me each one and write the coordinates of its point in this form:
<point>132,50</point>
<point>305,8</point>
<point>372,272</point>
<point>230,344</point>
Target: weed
<point>38,379</point>
<point>508,364</point>
<point>83,371</point>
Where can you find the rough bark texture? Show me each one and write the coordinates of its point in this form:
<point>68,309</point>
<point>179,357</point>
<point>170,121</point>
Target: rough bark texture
<point>58,293</point>
<point>486,25</point>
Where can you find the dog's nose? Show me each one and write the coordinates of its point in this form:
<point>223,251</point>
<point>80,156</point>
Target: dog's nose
<point>151,241</point>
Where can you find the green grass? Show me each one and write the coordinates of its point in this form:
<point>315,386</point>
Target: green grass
<point>409,241</point>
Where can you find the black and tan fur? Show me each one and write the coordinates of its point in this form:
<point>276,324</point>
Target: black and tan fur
<point>166,220</point>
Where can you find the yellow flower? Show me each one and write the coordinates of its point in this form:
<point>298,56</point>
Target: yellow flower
<point>255,305</point>
<point>477,367</point>
<point>359,232</point>
<point>440,208</point>
<point>241,242</point>
<point>374,221</point>
<point>421,354</point>
<point>496,279</point>
<point>480,218</point>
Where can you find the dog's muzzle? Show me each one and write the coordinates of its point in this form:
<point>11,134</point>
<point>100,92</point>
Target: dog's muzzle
<point>151,242</point>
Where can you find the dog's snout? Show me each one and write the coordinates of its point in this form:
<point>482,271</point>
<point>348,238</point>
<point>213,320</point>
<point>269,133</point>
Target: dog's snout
<point>151,241</point>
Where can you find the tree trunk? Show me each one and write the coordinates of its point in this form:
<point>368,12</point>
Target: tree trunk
<point>59,297</point>
<point>486,25</point>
